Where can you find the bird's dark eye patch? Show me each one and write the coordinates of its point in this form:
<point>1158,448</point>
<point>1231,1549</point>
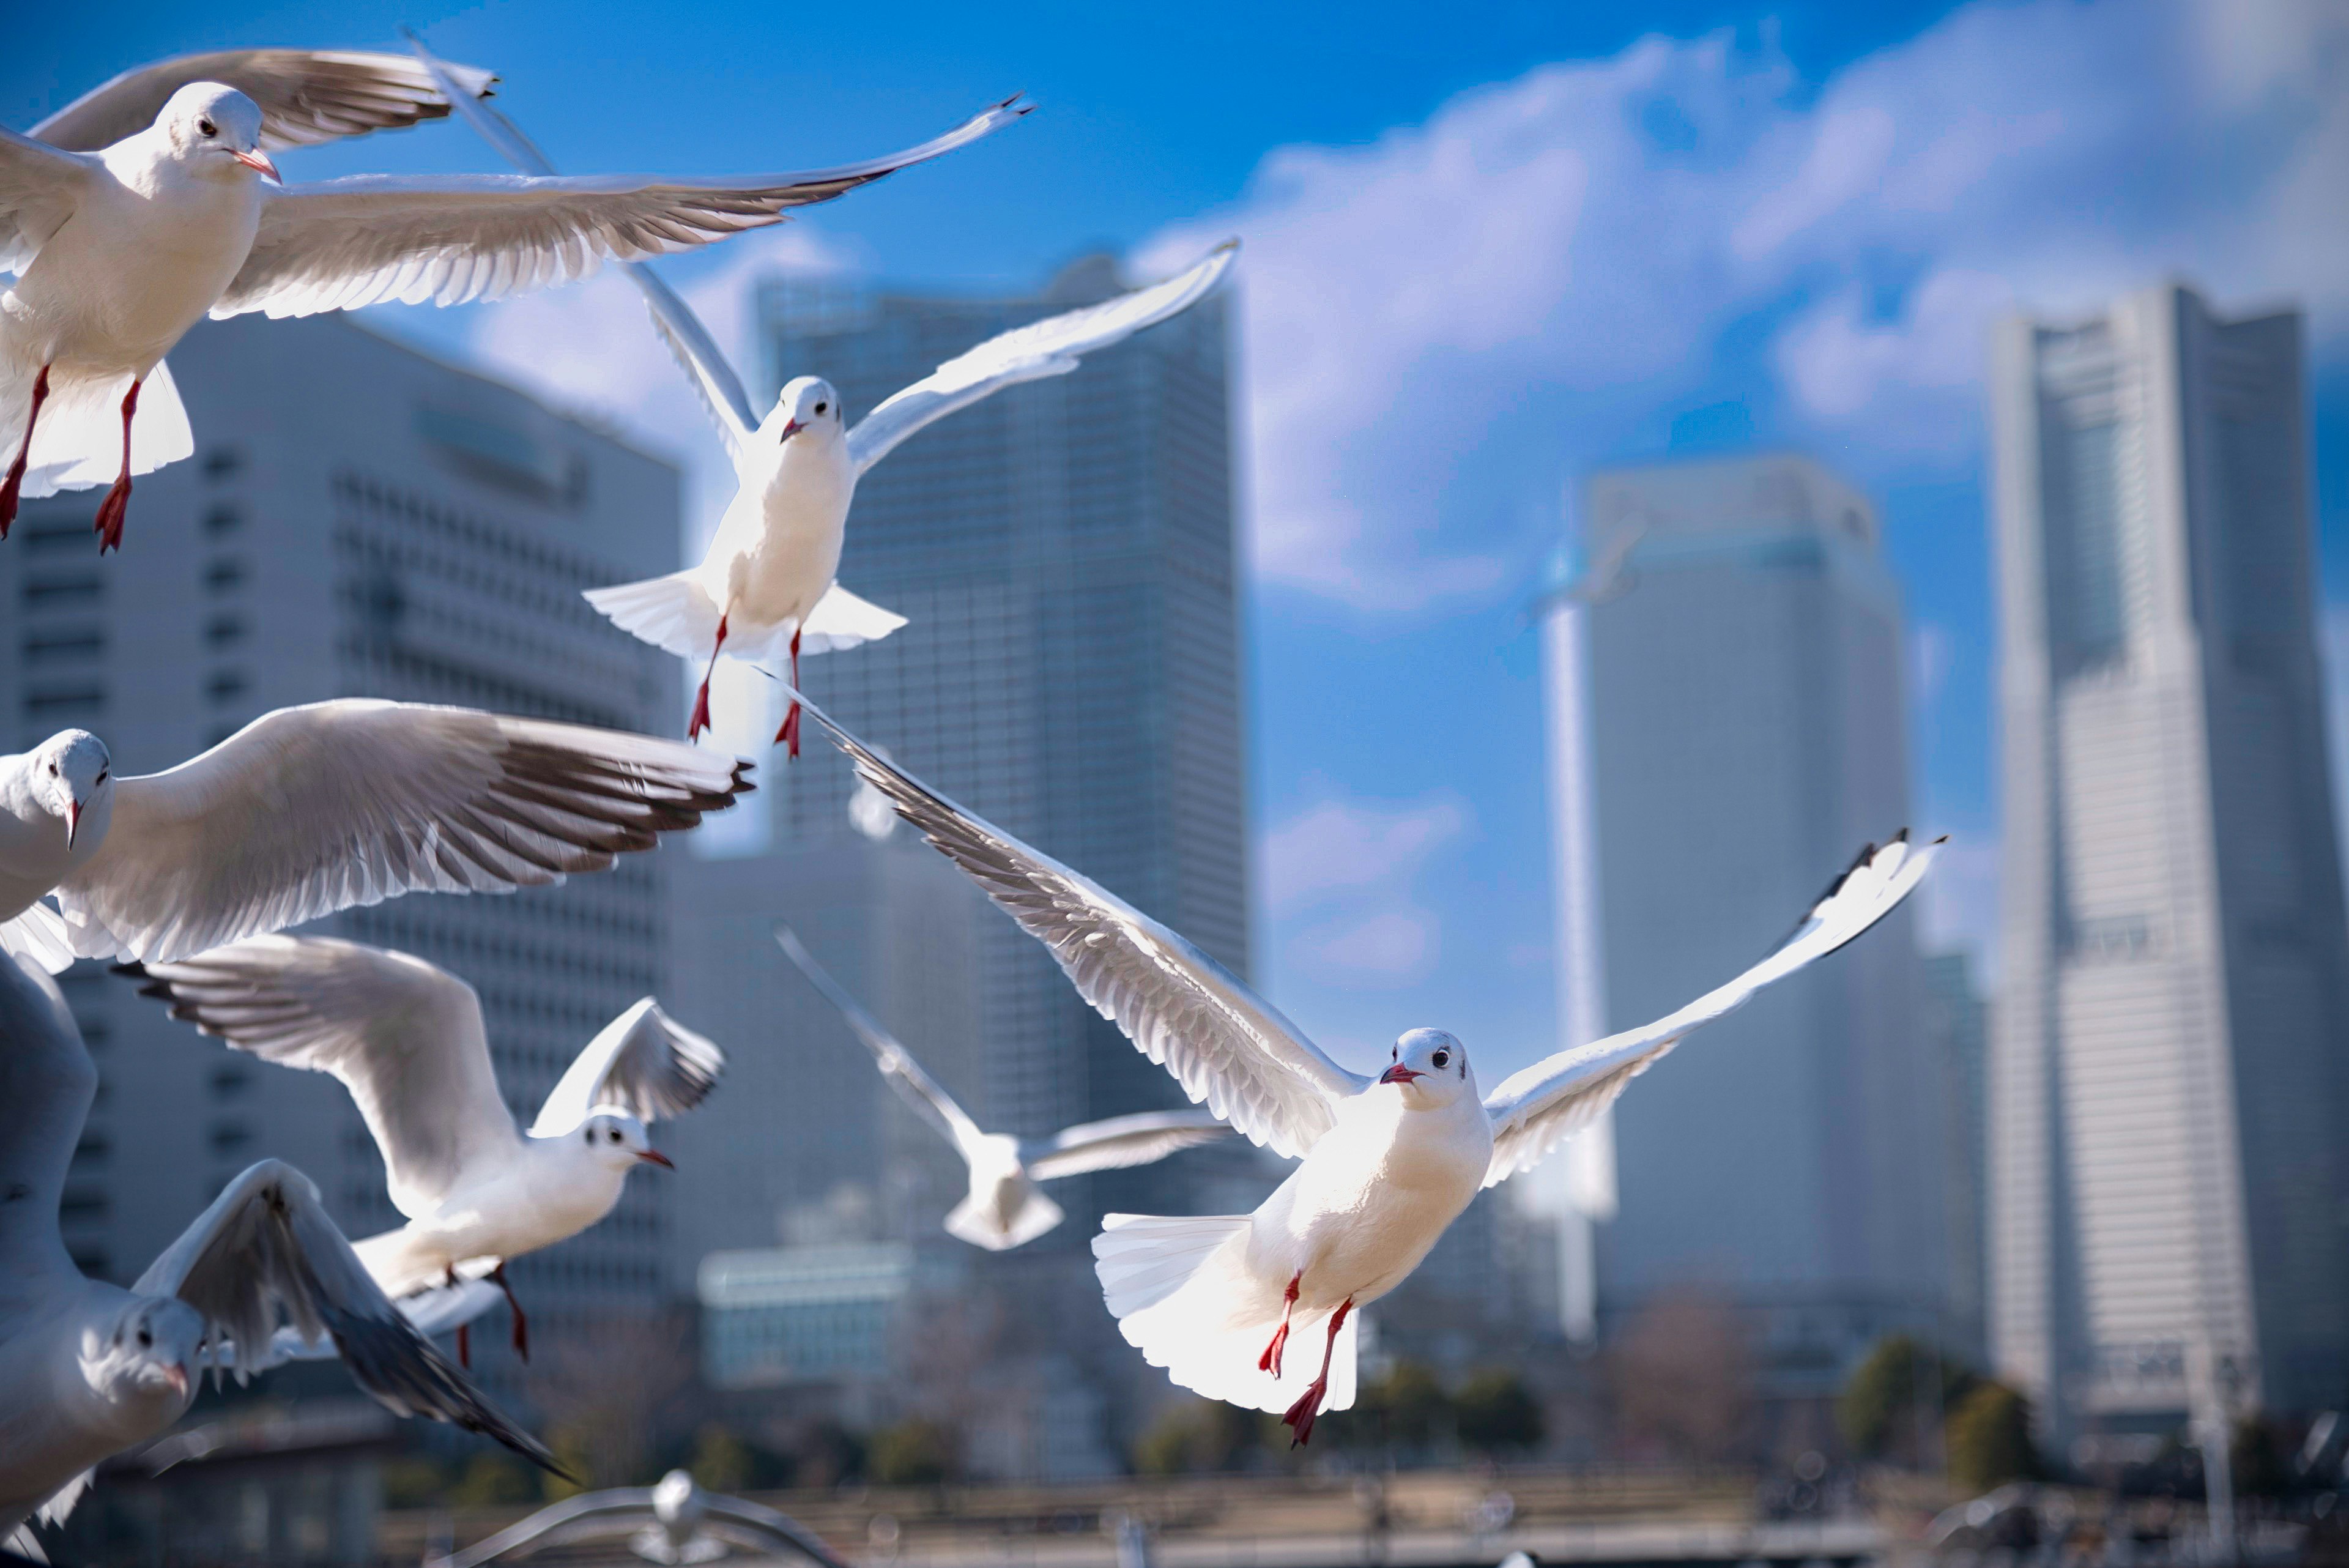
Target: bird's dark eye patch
<point>208,128</point>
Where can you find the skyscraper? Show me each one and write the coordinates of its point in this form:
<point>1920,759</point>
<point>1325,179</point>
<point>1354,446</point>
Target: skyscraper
<point>1746,737</point>
<point>359,520</point>
<point>2169,1185</point>
<point>1955,1022</point>
<point>1065,555</point>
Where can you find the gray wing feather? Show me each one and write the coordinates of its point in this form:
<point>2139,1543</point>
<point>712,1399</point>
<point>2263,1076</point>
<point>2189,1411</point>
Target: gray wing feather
<point>40,186</point>
<point>452,239</point>
<point>1119,1142</point>
<point>1229,1048</point>
<point>644,1062</point>
<point>46,1082</point>
<point>1533,1110</point>
<point>305,96</point>
<point>265,1253</point>
<point>927,1097</point>
<point>1053,346</point>
<point>307,811</point>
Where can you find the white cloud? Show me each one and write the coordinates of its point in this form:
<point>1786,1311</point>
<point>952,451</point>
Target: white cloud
<point>1435,324</point>
<point>1340,880</point>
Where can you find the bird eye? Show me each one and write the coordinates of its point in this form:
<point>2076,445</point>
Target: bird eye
<point>53,770</point>
<point>101,775</point>
<point>819,407</point>
<point>146,1339</point>
<point>208,128</point>
<point>1443,1058</point>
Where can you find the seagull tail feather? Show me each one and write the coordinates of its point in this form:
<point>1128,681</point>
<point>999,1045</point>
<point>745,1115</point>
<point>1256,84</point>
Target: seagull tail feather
<point>79,441</point>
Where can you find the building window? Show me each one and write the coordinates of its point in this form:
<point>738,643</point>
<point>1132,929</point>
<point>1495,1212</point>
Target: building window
<point>63,702</point>
<point>53,593</point>
<point>222,520</point>
<point>225,631</point>
<point>64,647</point>
<point>226,686</point>
<point>227,1138</point>
<point>224,575</point>
<point>222,462</point>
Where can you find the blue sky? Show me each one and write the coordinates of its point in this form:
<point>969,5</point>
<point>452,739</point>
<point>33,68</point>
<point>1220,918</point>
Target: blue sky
<point>1481,259</point>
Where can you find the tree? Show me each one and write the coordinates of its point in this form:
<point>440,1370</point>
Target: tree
<point>1497,1411</point>
<point>1893,1395</point>
<point>911,1453</point>
<point>1406,1408</point>
<point>1989,1437</point>
<point>1199,1437</point>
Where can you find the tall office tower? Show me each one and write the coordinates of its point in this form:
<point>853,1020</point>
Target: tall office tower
<point>1747,736</point>
<point>359,520</point>
<point>2170,1181</point>
<point>1070,668</point>
<point>1955,1022</point>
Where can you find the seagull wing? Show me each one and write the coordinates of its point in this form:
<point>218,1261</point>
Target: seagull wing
<point>722,390</point>
<point>927,1097</point>
<point>266,1250</point>
<point>1047,347</point>
<point>455,238</point>
<point>40,186</point>
<point>405,1037</point>
<point>310,810</point>
<point>1227,1046</point>
<point>1533,1110</point>
<point>46,1082</point>
<point>644,1062</point>
<point>305,96</point>
<point>1118,1142</point>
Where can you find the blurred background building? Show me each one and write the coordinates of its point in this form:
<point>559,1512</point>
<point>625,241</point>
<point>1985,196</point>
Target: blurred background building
<point>359,520</point>
<point>1745,717</point>
<point>2170,1181</point>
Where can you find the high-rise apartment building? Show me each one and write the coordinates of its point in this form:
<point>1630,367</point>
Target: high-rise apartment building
<point>1064,553</point>
<point>2170,1179</point>
<point>1746,736</point>
<point>357,520</point>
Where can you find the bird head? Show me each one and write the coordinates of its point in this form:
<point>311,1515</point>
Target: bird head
<point>216,130</point>
<point>619,1141</point>
<point>73,775</point>
<point>1430,1067</point>
<point>808,409</point>
<point>141,1364</point>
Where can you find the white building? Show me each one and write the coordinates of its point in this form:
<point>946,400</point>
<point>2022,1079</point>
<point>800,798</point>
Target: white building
<point>2169,1171</point>
<point>1746,735</point>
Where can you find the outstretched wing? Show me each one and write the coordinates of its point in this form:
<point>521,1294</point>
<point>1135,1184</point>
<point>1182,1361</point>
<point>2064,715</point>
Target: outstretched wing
<point>305,96</point>
<point>46,1082</point>
<point>927,1097</point>
<point>1228,1047</point>
<point>644,1061</point>
<point>722,390</point>
<point>452,238</point>
<point>1051,346</point>
<point>40,186</point>
<point>404,1036</point>
<point>1118,1142</point>
<point>310,810</point>
<point>265,1254</point>
<point>1534,1109</point>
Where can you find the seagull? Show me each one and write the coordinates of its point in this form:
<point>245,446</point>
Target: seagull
<point>91,1369</point>
<point>766,586</point>
<point>1004,1209</point>
<point>310,810</point>
<point>407,1039</point>
<point>117,252</point>
<point>1386,1163</point>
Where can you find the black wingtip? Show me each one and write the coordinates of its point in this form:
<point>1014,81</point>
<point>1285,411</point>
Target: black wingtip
<point>1943,839</point>
<point>133,969</point>
<point>1901,837</point>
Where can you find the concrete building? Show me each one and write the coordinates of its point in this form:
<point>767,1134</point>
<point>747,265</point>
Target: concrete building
<point>2169,1184</point>
<point>1746,736</point>
<point>1955,1022</point>
<point>359,520</point>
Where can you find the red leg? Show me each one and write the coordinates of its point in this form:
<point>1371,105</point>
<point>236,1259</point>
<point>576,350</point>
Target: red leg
<point>520,1323</point>
<point>464,1331</point>
<point>111,510</point>
<point>1300,1419</point>
<point>1270,1360</point>
<point>24,453</point>
<point>789,735</point>
<point>700,720</point>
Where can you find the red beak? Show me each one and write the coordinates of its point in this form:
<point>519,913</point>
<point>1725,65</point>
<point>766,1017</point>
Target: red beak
<point>178,1378</point>
<point>655,1157</point>
<point>1398,1073</point>
<point>791,429</point>
<point>260,163</point>
<point>73,823</point>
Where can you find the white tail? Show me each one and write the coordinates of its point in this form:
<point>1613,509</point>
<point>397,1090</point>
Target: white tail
<point>841,620</point>
<point>972,1220</point>
<point>79,441</point>
<point>1183,1295</point>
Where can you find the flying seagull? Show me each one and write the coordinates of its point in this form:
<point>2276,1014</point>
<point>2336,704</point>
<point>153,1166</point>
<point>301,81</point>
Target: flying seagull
<point>119,251</point>
<point>407,1039</point>
<point>310,810</point>
<point>1387,1163</point>
<point>1005,1208</point>
<point>91,1369</point>
<point>765,589</point>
